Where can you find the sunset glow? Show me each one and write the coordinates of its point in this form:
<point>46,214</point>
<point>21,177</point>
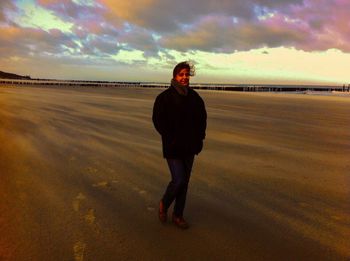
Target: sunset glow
<point>244,41</point>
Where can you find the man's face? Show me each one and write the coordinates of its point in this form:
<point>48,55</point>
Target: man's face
<point>183,77</point>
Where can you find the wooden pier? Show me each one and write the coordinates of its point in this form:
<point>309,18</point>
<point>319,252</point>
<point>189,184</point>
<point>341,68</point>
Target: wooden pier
<point>201,86</point>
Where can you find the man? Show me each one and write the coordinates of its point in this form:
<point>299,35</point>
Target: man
<point>179,116</point>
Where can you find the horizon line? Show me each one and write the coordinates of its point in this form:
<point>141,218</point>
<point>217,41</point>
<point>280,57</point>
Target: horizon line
<point>167,83</point>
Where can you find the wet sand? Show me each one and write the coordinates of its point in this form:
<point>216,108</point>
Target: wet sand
<point>82,173</point>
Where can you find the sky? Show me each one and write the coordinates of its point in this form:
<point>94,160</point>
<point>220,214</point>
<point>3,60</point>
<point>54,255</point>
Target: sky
<point>229,41</point>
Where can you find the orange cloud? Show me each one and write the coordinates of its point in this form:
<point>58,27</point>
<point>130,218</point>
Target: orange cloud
<point>132,11</point>
<point>8,33</point>
<point>53,2</point>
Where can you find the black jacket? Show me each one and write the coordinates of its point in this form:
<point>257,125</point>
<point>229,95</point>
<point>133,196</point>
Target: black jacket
<point>181,121</point>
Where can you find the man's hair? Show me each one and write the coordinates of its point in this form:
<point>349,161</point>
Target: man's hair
<point>184,65</point>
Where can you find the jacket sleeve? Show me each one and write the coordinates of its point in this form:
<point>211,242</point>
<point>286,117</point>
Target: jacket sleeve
<point>158,116</point>
<point>202,119</point>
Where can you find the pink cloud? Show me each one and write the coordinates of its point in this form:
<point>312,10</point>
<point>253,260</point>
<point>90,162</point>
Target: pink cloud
<point>6,5</point>
<point>48,3</point>
<point>223,26</point>
<point>327,23</point>
<point>304,24</point>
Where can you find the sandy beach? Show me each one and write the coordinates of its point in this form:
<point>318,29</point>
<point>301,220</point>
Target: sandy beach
<point>82,174</point>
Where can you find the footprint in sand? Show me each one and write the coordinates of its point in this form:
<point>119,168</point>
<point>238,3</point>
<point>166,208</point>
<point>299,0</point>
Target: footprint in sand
<point>304,204</point>
<point>105,184</point>
<point>151,209</point>
<point>101,184</point>
<point>140,191</point>
<point>84,212</point>
<point>146,197</point>
<point>338,217</point>
<point>90,217</point>
<point>143,193</point>
<point>78,250</point>
<point>76,202</point>
<point>110,170</point>
<point>91,170</point>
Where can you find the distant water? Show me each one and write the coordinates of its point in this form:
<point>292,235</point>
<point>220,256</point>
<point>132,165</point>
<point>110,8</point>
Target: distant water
<point>303,89</point>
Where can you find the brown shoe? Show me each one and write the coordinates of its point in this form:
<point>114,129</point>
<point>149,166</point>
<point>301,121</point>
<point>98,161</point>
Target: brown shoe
<point>180,222</point>
<point>162,213</point>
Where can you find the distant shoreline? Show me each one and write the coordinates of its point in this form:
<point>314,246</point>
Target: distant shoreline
<point>199,86</point>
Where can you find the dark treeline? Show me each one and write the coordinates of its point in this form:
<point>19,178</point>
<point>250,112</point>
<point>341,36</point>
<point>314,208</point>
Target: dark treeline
<point>6,75</point>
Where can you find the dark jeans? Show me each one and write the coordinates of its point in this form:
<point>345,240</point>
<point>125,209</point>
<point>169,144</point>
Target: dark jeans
<point>180,170</point>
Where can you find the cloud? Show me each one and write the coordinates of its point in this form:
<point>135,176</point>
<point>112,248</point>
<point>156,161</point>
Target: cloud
<point>97,31</point>
<point>278,3</point>
<point>99,46</point>
<point>29,42</point>
<point>167,15</point>
<point>5,6</point>
<point>220,26</point>
<point>64,8</point>
<point>222,34</point>
<point>8,39</point>
<point>304,25</point>
<point>69,10</point>
<point>198,25</point>
<point>139,39</point>
<point>327,22</point>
